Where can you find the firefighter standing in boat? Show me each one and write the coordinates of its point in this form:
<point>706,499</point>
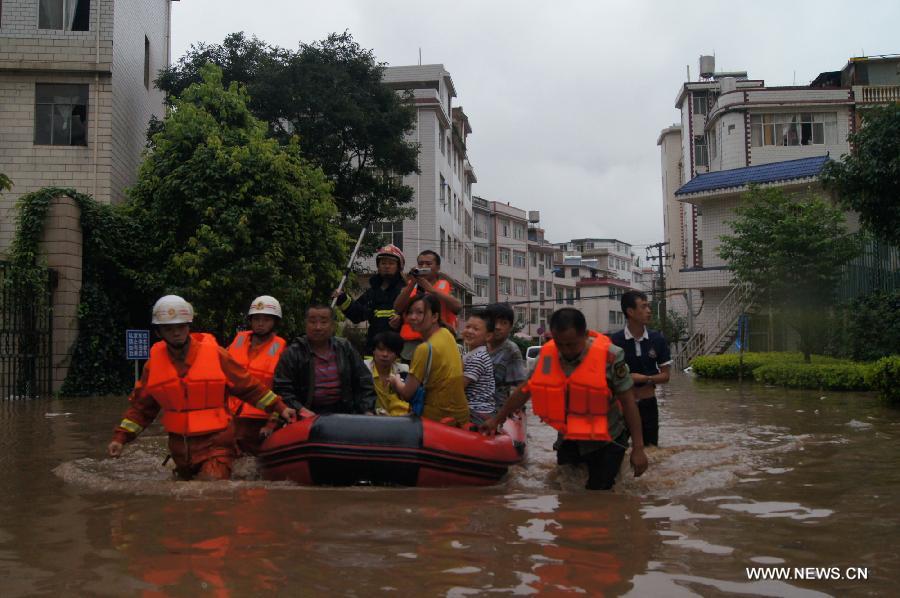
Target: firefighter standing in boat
<point>188,378</point>
<point>581,386</point>
<point>258,350</point>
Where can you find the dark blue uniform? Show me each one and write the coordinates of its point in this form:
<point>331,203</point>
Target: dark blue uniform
<point>653,353</point>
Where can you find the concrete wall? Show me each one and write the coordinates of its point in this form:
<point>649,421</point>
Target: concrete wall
<point>132,103</point>
<point>61,246</point>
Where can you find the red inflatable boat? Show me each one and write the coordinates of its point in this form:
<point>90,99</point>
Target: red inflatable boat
<point>343,450</point>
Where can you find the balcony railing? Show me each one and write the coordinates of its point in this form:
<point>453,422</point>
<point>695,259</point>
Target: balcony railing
<point>716,333</point>
<point>876,94</point>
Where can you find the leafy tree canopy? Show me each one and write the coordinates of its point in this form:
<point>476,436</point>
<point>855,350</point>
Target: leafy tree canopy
<point>331,94</point>
<point>230,213</point>
<point>791,250</point>
<point>868,180</point>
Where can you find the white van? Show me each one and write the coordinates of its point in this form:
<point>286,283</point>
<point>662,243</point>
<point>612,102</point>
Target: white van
<point>531,356</point>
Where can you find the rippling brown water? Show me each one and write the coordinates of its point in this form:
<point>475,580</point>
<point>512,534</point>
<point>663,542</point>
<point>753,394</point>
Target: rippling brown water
<point>747,477</point>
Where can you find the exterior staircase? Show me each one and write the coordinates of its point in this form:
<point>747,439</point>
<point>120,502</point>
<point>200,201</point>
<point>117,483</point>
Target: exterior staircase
<point>719,330</point>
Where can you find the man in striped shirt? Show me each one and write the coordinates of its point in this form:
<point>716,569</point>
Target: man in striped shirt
<point>324,373</point>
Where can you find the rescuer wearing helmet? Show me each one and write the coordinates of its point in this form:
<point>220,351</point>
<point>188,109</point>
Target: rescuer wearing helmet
<point>581,386</point>
<point>376,304</point>
<point>258,350</point>
<point>188,378</point>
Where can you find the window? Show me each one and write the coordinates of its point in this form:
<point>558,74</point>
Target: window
<point>443,244</point>
<point>549,288</point>
<point>504,285</point>
<point>481,254</point>
<point>534,288</point>
<point>60,114</point>
<point>534,315</point>
<point>504,227</point>
<point>443,192</point>
<point>442,135</point>
<point>146,62</point>
<point>560,273</point>
<point>541,270</point>
<point>481,224</point>
<point>700,102</point>
<point>570,296</point>
<point>713,145</point>
<point>519,259</point>
<point>68,15</point>
<point>612,317</point>
<point>534,258</point>
<point>520,314</point>
<point>390,232</point>
<point>806,128</point>
<point>519,287</point>
<point>575,273</point>
<point>504,256</point>
<point>549,261</point>
<point>468,225</point>
<point>518,231</point>
<point>481,287</point>
<point>468,255</point>
<point>559,296</point>
<point>701,158</point>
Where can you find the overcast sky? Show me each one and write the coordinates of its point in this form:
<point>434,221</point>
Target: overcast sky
<point>566,99</point>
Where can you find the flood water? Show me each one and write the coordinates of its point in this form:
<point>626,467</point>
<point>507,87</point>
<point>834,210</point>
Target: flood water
<point>747,477</point>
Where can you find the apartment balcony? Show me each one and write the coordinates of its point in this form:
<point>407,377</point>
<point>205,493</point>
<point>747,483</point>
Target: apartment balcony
<point>876,94</point>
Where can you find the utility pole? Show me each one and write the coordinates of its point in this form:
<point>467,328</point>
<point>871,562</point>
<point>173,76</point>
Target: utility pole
<point>660,259</point>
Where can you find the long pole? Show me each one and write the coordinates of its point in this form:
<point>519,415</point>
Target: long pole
<point>352,259</point>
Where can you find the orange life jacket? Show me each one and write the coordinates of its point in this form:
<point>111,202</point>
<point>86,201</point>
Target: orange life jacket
<point>575,405</point>
<point>261,367</point>
<point>195,404</point>
<point>448,317</point>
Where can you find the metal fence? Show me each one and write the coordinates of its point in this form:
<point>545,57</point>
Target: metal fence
<point>876,269</point>
<point>26,338</point>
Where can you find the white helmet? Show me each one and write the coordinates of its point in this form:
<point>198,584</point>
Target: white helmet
<point>172,309</point>
<point>265,304</point>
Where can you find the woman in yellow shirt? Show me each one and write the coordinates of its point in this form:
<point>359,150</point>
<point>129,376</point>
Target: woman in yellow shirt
<point>445,395</point>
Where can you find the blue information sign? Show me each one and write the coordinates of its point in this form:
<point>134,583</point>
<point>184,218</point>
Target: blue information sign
<point>137,344</point>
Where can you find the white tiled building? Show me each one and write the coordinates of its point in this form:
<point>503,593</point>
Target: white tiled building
<point>443,186</point>
<point>734,131</point>
<point>76,83</point>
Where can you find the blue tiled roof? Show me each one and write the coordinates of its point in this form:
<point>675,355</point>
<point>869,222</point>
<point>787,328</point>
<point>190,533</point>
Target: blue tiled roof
<point>764,173</point>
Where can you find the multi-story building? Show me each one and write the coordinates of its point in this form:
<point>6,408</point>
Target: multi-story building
<point>443,187</point>
<point>76,78</point>
<point>540,279</point>
<point>591,286</point>
<point>734,132</point>
<point>513,262</point>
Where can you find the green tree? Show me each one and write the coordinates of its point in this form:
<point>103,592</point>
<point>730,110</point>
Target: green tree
<point>5,183</point>
<point>331,94</point>
<point>675,328</point>
<point>868,180</point>
<point>230,214</point>
<point>791,250</point>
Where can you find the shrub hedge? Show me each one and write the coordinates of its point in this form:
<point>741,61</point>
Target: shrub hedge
<point>841,376</point>
<point>884,376</point>
<point>788,369</point>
